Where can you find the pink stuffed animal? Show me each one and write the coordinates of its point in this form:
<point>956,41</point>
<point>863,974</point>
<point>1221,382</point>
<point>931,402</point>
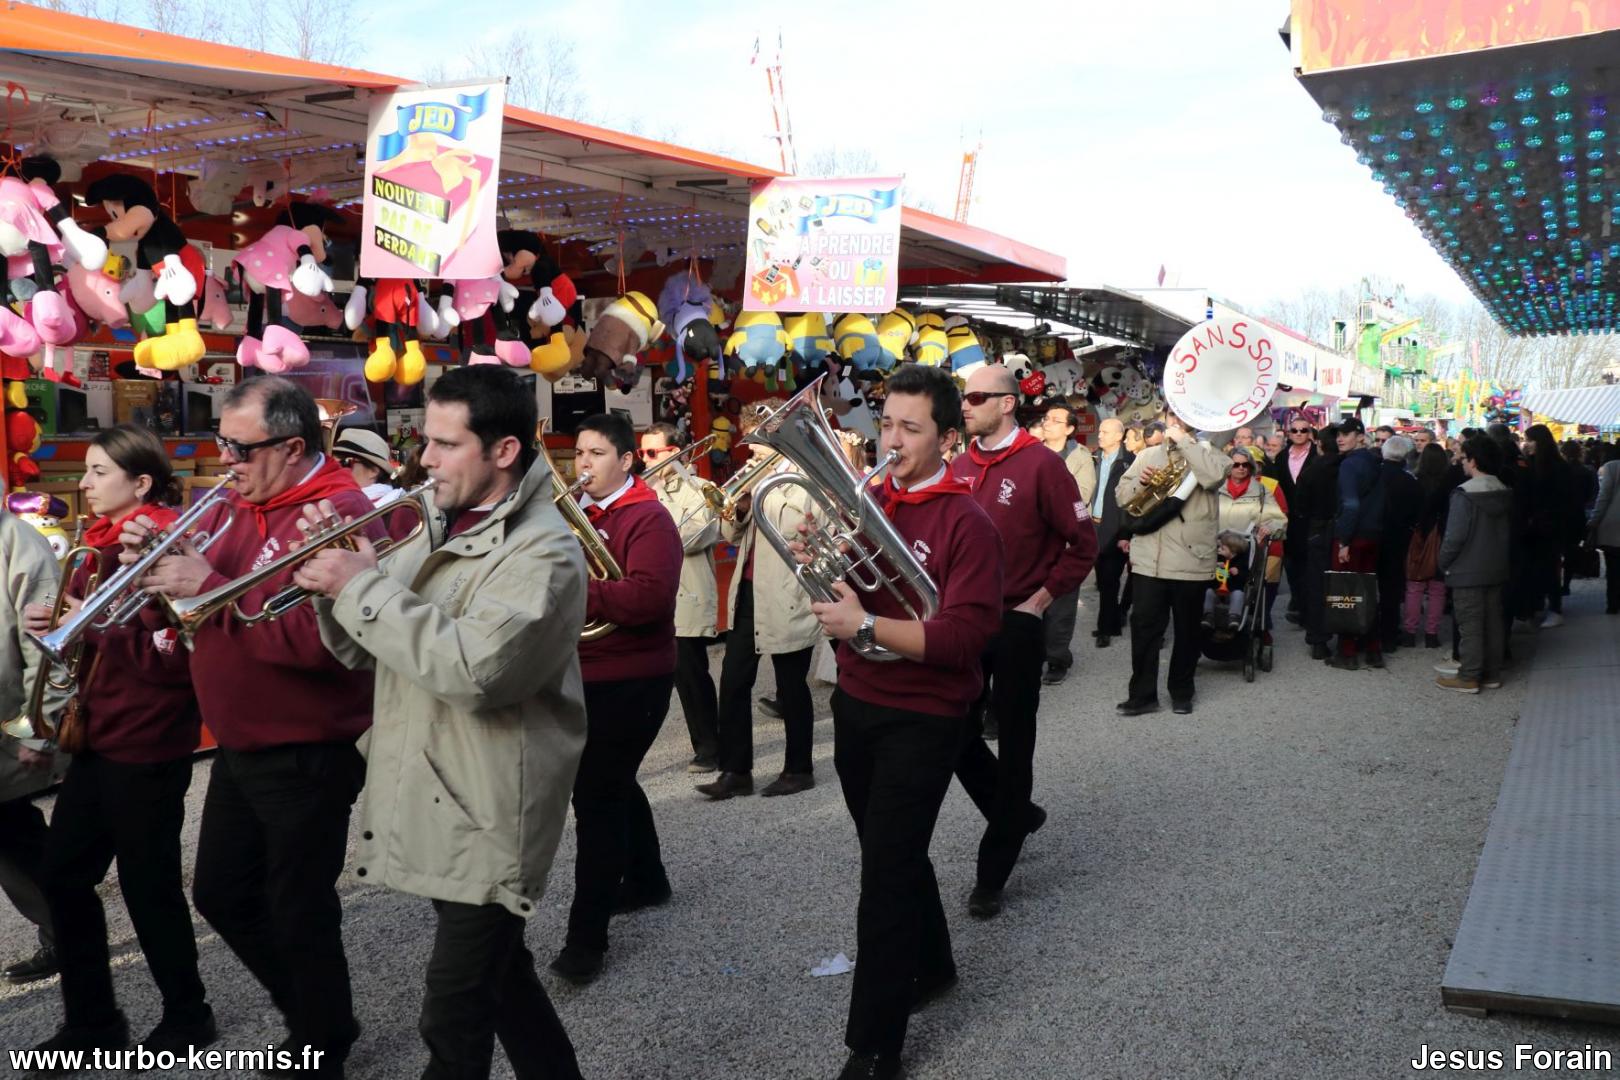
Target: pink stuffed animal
<point>37,234</point>
<point>287,258</point>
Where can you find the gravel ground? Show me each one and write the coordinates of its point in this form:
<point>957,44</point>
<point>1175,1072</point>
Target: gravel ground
<point>1265,888</point>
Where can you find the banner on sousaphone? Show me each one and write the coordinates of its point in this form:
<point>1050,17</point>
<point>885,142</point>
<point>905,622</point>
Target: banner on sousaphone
<point>1221,374</point>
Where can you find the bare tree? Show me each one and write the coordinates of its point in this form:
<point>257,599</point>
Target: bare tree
<point>110,10</point>
<point>542,77</point>
<point>831,161</point>
<point>326,31</point>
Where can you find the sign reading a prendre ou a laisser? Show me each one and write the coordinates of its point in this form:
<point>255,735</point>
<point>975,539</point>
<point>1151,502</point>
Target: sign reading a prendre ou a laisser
<point>823,245</point>
<point>433,156</point>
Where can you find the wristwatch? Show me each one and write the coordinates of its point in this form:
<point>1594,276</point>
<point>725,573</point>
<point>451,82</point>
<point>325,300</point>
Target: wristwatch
<point>866,636</point>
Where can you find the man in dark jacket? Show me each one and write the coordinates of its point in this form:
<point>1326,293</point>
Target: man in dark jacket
<point>1288,468</point>
<point>1316,504</point>
<point>1476,561</point>
<point>1357,530</point>
<point>1403,501</point>
<point>1112,461</point>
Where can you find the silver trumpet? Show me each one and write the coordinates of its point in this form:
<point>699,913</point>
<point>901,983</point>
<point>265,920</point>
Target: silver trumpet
<point>852,540</point>
<point>119,598</point>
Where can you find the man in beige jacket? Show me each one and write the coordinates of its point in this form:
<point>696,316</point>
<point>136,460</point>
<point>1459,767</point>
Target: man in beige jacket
<point>480,716</point>
<point>29,573</point>
<point>698,601</point>
<point>1171,567</point>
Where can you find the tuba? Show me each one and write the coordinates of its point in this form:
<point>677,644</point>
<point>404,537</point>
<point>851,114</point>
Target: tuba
<point>857,544</point>
<point>599,561</point>
<point>32,724</point>
<point>332,411</point>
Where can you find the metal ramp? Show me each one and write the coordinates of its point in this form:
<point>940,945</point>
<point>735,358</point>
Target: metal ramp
<point>1541,928</point>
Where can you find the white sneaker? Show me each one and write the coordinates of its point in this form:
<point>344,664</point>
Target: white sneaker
<point>1552,619</point>
<point>1447,667</point>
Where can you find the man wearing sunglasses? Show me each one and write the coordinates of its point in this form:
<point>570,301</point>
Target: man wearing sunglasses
<point>1048,547</point>
<point>1286,468</point>
<point>285,714</point>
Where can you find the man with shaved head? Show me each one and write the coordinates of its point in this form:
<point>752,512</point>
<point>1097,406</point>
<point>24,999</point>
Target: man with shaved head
<point>1048,547</point>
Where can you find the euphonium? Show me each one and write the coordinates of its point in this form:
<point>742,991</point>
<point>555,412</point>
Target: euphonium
<point>32,723</point>
<point>857,543</point>
<point>599,561</point>
<point>191,612</point>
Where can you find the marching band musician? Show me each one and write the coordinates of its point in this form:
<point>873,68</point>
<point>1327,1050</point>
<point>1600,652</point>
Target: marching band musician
<point>286,715</point>
<point>481,717</point>
<point>899,725</point>
<point>365,454</point>
<point>770,615</point>
<point>696,603</point>
<point>132,735</point>
<point>629,674</point>
<point>29,574</point>
<point>1049,546</point>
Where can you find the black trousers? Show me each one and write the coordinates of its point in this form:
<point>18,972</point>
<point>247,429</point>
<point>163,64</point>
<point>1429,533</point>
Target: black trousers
<point>275,826</point>
<point>1157,602</point>
<point>105,810</point>
<point>695,686</point>
<point>613,824</point>
<point>1294,560</point>
<point>737,674</point>
<point>1391,589</point>
<point>894,767</point>
<point>1000,786</point>
<point>1611,574</point>
<point>1110,568</point>
<point>22,863</point>
<point>1318,556</point>
<point>481,985</point>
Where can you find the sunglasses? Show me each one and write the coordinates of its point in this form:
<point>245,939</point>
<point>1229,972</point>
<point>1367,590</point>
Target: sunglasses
<point>1242,465</point>
<point>241,450</point>
<point>979,397</point>
<point>648,455</point>
<point>1299,431</point>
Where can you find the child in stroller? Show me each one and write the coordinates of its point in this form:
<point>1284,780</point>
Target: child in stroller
<point>1223,603</point>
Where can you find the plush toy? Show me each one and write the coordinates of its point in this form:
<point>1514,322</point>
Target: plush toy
<point>396,311</point>
<point>624,329</point>
<point>216,305</point>
<point>759,340</point>
<point>481,311</point>
<point>685,305</point>
<point>1062,378</point>
<point>287,257</point>
<point>562,354</point>
<point>551,296</point>
<point>896,332</point>
<point>305,311</point>
<point>45,513</point>
<point>96,293</point>
<point>857,342</point>
<point>36,232</point>
<point>932,348</point>
<point>809,340</point>
<point>177,269</point>
<point>21,429</point>
<point>963,347</point>
<point>720,450</point>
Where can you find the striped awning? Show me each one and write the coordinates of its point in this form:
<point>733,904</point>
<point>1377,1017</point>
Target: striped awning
<point>1598,406</point>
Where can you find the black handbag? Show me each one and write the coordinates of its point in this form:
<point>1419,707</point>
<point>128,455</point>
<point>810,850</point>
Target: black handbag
<point>1349,602</point>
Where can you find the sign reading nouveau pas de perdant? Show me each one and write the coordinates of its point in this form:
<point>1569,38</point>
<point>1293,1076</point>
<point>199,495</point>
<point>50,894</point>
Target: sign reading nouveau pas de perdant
<point>433,155</point>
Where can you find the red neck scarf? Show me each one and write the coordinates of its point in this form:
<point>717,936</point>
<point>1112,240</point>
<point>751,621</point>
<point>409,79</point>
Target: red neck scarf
<point>330,479</point>
<point>892,496</point>
<point>104,533</point>
<point>638,492</point>
<point>984,459</point>
<point>1236,490</point>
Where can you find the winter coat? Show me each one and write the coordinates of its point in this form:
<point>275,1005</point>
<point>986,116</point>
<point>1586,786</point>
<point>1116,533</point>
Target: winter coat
<point>1403,503</point>
<point>697,603</point>
<point>1605,517</point>
<point>30,574</point>
<point>1108,521</point>
<point>1083,468</point>
<point>783,621</point>
<point>1258,507</point>
<point>1361,497</point>
<point>1184,548</point>
<point>480,708</point>
<point>1475,550</point>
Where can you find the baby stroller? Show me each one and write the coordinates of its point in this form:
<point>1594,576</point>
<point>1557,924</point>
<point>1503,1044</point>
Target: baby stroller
<point>1245,639</point>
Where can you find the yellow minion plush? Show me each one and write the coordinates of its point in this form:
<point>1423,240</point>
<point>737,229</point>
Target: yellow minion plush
<point>896,331</point>
<point>808,338</point>
<point>964,347</point>
<point>858,343</point>
<point>932,347</point>
<point>759,340</point>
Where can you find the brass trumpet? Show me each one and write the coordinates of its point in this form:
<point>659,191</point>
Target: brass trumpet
<point>599,561</point>
<point>32,723</point>
<point>189,613</point>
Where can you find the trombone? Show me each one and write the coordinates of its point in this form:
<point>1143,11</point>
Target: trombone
<point>32,723</point>
<point>189,613</point>
<point>120,596</point>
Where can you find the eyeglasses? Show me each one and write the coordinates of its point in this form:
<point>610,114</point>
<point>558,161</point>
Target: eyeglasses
<point>979,397</point>
<point>1299,431</point>
<point>344,460</point>
<point>240,451</point>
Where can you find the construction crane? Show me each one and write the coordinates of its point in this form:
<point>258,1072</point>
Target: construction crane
<point>964,185</point>
<point>779,109</point>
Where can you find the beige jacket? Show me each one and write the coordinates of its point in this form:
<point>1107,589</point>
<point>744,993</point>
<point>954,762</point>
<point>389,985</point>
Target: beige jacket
<point>783,621</point>
<point>1256,507</point>
<point>29,572</point>
<point>1083,467</point>
<point>1183,549</point>
<point>480,709</point>
<point>697,603</point>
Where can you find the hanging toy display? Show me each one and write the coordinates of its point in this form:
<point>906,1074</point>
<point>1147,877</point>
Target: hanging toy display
<point>858,344</point>
<point>480,312</point>
<point>964,348</point>
<point>395,309</point>
<point>684,305</point>
<point>176,269</point>
<point>46,513</point>
<point>809,341</point>
<point>896,331</point>
<point>933,347</point>
<point>22,431</point>
<point>287,257</point>
<point>758,341</point>
<point>37,234</point>
<point>622,332</point>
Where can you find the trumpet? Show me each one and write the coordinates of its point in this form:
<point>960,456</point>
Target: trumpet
<point>189,613</point>
<point>120,597</point>
<point>859,544</point>
<point>32,723</point>
<point>599,561</point>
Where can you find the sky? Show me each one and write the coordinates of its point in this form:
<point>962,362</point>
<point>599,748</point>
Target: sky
<point>1122,135</point>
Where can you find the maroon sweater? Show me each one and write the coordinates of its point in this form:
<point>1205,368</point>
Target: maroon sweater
<point>274,683</point>
<point>958,546</point>
<point>643,538</point>
<point>1044,524</point>
<point>137,698</point>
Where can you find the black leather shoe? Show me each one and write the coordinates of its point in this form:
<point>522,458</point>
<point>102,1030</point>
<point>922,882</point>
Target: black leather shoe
<point>1037,818</point>
<point>1345,663</point>
<point>578,964</point>
<point>300,1061</point>
<point>871,1067</point>
<point>728,784</point>
<point>178,1034</point>
<point>789,783</point>
<point>42,965</point>
<point>929,991</point>
<point>701,764</point>
<point>1138,708</point>
<point>1054,676</point>
<point>1431,641</point>
<point>1103,640</point>
<point>1407,641</point>
<point>770,707</point>
<point>984,903</point>
<point>992,729</point>
<point>109,1036</point>
<point>1375,659</point>
<point>635,899</point>
<point>1181,708</point>
<point>1320,652</point>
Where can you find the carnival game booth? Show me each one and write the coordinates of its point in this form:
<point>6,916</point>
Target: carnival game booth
<point>1584,406</point>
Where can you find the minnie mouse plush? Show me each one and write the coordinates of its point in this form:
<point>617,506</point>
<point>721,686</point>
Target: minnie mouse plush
<point>288,257</point>
<point>37,233</point>
<point>176,266</point>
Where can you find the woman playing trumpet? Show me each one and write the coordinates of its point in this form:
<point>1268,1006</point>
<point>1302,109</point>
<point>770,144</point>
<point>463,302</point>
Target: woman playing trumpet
<point>132,737</point>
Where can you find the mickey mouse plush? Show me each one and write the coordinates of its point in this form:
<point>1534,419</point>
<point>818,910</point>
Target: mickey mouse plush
<point>162,249</point>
